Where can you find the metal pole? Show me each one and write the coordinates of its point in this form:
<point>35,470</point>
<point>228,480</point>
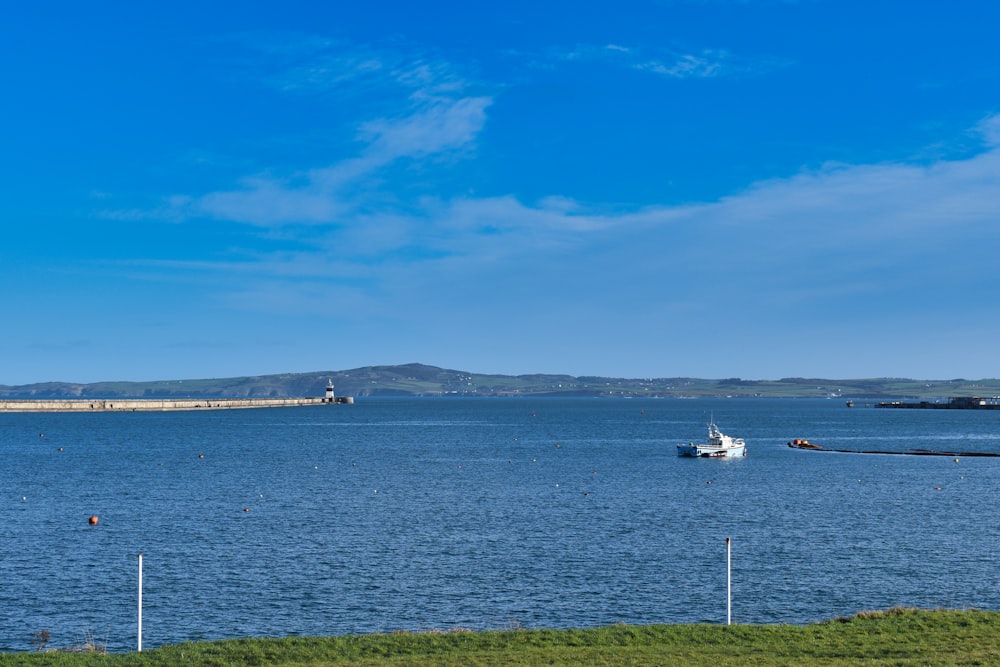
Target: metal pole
<point>140,602</point>
<point>729,582</point>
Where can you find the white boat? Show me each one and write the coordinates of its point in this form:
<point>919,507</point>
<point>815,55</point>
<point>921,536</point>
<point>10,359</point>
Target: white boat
<point>719,446</point>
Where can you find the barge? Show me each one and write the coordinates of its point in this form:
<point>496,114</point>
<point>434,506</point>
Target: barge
<point>954,403</point>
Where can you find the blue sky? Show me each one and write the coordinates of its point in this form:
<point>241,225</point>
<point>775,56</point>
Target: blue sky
<point>710,188</point>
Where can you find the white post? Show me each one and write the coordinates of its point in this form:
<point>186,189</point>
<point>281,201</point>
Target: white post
<point>729,582</point>
<point>140,602</point>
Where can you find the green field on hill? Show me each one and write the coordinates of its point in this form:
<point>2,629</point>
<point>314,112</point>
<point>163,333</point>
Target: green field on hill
<point>423,380</point>
<point>898,637</point>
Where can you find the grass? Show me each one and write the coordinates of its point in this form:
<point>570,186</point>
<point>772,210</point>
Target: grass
<point>898,637</point>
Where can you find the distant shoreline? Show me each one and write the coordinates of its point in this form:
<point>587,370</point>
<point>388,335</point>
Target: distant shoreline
<point>422,380</point>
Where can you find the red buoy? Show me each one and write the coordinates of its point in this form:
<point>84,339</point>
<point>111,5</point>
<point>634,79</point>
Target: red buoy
<point>92,520</point>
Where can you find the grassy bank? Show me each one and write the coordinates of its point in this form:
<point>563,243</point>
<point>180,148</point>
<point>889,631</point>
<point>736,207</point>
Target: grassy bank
<point>895,637</point>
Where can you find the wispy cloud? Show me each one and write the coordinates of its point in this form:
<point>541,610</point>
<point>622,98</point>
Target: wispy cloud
<point>437,126</point>
<point>267,202</point>
<point>823,237</point>
<point>434,113</point>
<point>306,64</point>
<point>431,110</point>
<point>320,195</point>
<point>989,130</point>
<point>702,65</point>
<point>819,240</point>
<point>668,63</point>
<point>820,237</point>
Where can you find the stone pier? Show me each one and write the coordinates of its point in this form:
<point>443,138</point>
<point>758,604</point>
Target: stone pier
<point>160,404</point>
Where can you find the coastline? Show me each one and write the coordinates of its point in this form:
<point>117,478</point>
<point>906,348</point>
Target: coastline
<point>162,404</point>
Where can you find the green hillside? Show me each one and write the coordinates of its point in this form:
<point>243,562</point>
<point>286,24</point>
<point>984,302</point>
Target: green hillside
<point>423,380</point>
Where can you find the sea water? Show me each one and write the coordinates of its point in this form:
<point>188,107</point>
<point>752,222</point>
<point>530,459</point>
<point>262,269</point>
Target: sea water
<point>435,514</point>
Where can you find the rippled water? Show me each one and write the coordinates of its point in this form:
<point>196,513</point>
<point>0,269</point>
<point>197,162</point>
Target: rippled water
<point>420,514</point>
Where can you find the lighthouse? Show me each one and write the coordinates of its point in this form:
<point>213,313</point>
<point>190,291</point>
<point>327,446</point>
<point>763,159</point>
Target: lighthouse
<point>329,392</point>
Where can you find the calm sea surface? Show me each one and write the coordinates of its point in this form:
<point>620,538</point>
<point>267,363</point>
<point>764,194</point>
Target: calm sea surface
<point>420,514</point>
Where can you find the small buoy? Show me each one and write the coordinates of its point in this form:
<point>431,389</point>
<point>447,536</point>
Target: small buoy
<point>41,435</point>
<point>708,482</point>
<point>937,488</point>
<point>246,509</point>
<point>201,456</point>
<point>375,491</point>
<point>60,449</point>
<point>956,460</point>
<point>24,499</point>
<point>92,520</point>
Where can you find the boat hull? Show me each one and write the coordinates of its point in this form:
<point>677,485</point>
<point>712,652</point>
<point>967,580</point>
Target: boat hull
<point>705,452</point>
<point>718,446</point>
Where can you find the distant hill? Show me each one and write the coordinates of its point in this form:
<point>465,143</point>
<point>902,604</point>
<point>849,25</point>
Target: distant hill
<point>422,380</point>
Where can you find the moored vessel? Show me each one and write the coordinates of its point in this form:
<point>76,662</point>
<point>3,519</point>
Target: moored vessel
<point>719,446</point>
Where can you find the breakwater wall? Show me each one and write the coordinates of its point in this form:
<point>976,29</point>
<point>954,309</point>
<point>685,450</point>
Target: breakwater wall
<point>161,404</point>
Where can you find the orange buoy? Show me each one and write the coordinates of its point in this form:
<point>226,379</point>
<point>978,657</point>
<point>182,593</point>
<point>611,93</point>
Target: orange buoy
<point>92,520</point>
